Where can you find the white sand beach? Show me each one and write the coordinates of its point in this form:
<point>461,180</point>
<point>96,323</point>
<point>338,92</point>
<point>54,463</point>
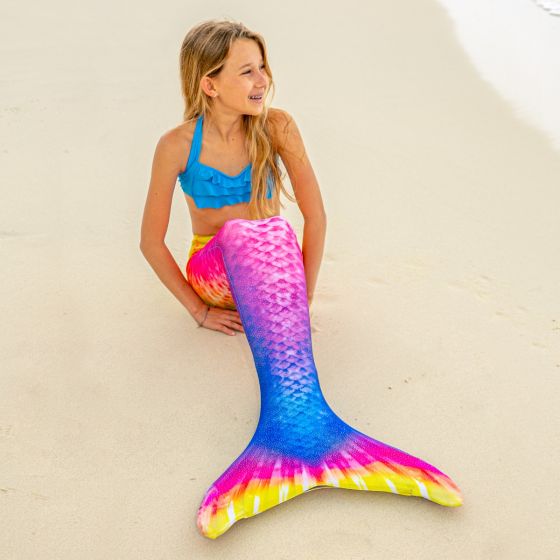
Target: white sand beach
<point>436,319</point>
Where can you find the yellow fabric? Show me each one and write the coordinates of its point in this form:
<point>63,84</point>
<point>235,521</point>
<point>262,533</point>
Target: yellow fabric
<point>198,241</point>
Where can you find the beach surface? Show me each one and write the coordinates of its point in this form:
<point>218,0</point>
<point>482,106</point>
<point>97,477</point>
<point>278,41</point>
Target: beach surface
<point>435,324</point>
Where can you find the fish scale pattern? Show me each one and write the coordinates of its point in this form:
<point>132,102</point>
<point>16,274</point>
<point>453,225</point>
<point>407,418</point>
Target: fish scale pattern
<point>300,443</point>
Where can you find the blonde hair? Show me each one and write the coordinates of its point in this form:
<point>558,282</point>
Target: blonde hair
<point>203,53</point>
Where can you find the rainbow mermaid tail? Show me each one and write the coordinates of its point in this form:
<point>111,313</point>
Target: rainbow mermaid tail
<point>299,443</point>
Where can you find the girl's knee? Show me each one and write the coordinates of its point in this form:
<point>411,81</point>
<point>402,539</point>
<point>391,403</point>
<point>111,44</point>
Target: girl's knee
<point>237,229</point>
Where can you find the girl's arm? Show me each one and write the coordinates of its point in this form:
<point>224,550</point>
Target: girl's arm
<point>165,168</point>
<point>312,247</point>
<point>307,192</point>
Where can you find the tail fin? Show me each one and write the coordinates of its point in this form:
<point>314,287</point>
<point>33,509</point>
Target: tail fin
<point>261,478</point>
<point>300,443</point>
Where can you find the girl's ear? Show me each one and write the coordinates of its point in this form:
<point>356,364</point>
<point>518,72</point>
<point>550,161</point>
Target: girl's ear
<point>207,86</point>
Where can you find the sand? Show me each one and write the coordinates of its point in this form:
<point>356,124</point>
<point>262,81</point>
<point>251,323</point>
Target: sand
<point>436,321</point>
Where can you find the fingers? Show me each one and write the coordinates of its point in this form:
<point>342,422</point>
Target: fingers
<point>235,320</point>
<point>227,321</point>
<point>233,326</point>
<point>237,325</point>
<point>232,313</point>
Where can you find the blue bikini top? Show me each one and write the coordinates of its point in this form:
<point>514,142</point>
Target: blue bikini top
<point>210,187</point>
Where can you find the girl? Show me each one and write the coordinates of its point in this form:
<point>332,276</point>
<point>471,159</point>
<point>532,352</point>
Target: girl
<point>226,79</point>
<point>246,272</point>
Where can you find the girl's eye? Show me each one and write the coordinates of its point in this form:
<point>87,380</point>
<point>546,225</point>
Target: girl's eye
<point>262,66</point>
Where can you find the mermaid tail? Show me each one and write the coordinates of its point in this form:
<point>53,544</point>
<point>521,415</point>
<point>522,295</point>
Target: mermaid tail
<point>300,443</point>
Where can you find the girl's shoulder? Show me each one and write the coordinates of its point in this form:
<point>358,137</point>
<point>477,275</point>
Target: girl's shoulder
<point>280,122</point>
<point>182,133</point>
<point>177,141</point>
<point>285,133</point>
<point>278,118</point>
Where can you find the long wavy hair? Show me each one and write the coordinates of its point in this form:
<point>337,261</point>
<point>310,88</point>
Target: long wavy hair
<point>203,53</point>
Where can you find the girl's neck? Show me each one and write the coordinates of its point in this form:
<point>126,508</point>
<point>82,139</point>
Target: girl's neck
<point>223,128</point>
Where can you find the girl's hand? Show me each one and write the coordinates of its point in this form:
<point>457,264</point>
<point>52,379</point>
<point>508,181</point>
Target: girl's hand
<point>224,320</point>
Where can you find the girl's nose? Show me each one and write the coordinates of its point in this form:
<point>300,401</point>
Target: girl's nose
<point>263,78</point>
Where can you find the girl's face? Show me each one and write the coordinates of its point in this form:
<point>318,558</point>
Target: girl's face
<point>242,76</point>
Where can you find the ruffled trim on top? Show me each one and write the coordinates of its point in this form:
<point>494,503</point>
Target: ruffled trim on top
<point>211,188</point>
<point>211,182</point>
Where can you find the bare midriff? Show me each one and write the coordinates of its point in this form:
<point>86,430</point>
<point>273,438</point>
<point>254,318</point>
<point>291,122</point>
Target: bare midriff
<point>208,221</point>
